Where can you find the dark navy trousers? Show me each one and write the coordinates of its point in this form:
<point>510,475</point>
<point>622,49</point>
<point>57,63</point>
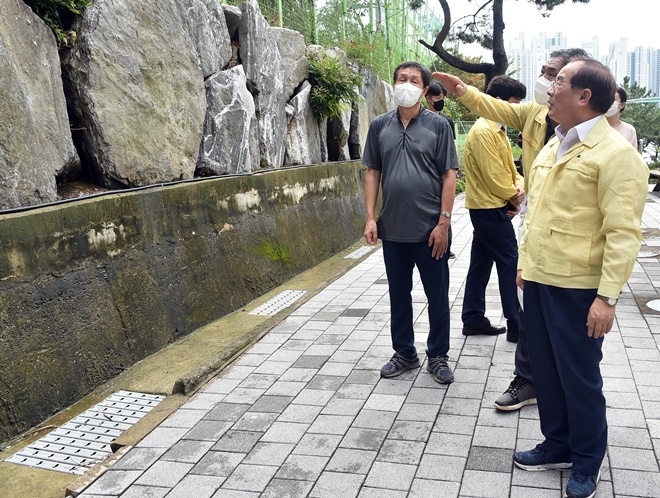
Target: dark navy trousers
<point>400,259</point>
<point>565,365</point>
<point>494,240</point>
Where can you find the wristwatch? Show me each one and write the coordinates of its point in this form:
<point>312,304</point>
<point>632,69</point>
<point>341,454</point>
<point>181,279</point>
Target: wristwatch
<point>446,214</point>
<point>611,301</point>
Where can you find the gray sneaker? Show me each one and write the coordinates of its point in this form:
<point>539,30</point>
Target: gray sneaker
<point>397,365</point>
<point>519,394</point>
<point>440,370</point>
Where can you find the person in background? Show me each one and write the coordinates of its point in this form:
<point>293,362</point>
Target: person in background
<point>435,101</point>
<point>613,115</point>
<point>493,195</point>
<point>410,155</point>
<point>532,119</point>
<point>581,239</point>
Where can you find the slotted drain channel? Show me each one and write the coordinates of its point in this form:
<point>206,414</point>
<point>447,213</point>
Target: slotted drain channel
<point>84,441</point>
<point>282,300</point>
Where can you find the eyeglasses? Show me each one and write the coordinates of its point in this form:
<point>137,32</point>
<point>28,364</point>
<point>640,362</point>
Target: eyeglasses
<point>560,82</point>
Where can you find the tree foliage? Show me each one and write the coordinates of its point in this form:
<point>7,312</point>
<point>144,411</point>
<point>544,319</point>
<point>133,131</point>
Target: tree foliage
<point>486,27</point>
<point>58,14</point>
<point>645,118</point>
<point>454,109</point>
<point>333,85</point>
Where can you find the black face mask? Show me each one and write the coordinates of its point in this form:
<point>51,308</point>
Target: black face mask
<point>439,105</point>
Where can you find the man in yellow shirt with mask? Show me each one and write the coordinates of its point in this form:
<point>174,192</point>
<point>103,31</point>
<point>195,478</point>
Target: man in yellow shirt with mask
<point>493,195</point>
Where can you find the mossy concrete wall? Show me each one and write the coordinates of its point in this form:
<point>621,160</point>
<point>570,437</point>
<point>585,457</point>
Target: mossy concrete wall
<point>89,288</point>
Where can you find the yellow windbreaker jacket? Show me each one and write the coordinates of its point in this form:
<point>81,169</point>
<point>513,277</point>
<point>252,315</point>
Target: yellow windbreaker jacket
<point>582,229</point>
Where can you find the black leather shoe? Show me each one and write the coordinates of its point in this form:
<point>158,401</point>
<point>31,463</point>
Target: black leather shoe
<point>484,328</point>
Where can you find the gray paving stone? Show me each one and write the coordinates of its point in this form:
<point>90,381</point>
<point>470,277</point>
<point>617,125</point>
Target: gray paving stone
<point>334,484</point>
<point>280,488</point>
<point>636,483</point>
<point>335,368</point>
<point>259,381</point>
<point>400,451</point>
<point>397,385</point>
<point>339,406</point>
<point>188,451</point>
<point>183,418</point>
<point>297,344</point>
<point>465,390</point>
<point>418,412</point>
<point>358,376</point>
<point>166,474</point>
<point>385,402</point>
<point>162,437</point>
<point>623,400</point>
<point>626,418</point>
<point>367,439</point>
<point>485,484</point>
<point>251,359</point>
<point>255,421</point>
<point>629,437</point>
<point>197,486</point>
<point>432,395</point>
<point>411,430</point>
<point>351,461</point>
<point>490,459</point>
<point>283,388</point>
<point>460,406</point>
<point>387,475</point>
<point>523,492</point>
<point>633,459</point>
<point>547,480</point>
<point>272,404</point>
<point>331,424</point>
<point>288,356</point>
<point>250,477</point>
<point>313,397</point>
<point>229,412</point>
<point>208,430</point>
<point>347,356</point>
<point>141,492</point>
<point>269,454</point>
<point>325,382</point>
<point>139,458</point>
<point>113,482</point>
<point>366,492</point>
<point>237,441</point>
<point>239,372</point>
<point>317,444</point>
<point>423,488</point>
<point>221,386</point>
<point>244,395</point>
<point>300,413</point>
<point>272,367</point>
<point>218,463</point>
<point>354,391</point>
<point>441,467</point>
<point>285,432</point>
<point>374,419</point>
<point>302,467</point>
<point>449,444</point>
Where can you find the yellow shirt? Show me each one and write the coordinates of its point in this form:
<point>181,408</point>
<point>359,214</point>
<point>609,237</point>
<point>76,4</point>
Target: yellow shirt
<point>491,176</point>
<point>529,118</point>
<point>582,229</point>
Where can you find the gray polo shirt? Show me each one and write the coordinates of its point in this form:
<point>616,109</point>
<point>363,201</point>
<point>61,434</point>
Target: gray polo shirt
<point>412,162</point>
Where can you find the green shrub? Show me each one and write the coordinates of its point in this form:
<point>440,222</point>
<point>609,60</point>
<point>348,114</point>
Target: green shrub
<point>333,85</point>
<point>58,13</point>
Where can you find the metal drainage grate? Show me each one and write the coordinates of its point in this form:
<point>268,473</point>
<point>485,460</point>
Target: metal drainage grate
<point>278,303</point>
<point>358,253</point>
<point>84,441</point>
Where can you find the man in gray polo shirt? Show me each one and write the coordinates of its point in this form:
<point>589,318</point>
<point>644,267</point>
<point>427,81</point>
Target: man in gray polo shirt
<point>410,154</point>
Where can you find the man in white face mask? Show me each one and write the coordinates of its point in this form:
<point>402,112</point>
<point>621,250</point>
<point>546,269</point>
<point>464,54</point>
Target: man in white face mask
<point>410,155</point>
<point>532,119</point>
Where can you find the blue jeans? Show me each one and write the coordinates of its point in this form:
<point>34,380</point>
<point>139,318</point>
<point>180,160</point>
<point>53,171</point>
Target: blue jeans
<point>400,259</point>
<point>565,364</point>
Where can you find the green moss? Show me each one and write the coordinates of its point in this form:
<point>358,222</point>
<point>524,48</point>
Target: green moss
<point>274,252</point>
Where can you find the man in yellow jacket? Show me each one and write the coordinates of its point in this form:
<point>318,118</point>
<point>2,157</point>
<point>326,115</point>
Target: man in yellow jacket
<point>493,195</point>
<point>532,119</point>
<point>582,234</point>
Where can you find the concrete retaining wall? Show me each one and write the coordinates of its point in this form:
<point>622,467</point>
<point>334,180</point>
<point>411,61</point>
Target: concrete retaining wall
<point>89,288</point>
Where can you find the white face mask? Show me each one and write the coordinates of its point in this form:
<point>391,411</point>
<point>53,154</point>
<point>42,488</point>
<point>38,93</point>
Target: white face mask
<point>406,94</point>
<point>541,88</point>
<point>614,108</point>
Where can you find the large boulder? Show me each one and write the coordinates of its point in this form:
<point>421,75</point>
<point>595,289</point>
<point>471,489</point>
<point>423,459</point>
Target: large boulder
<point>303,142</point>
<point>136,92</point>
<point>263,69</point>
<point>230,143</point>
<point>292,48</point>
<point>35,138</point>
<point>206,26</point>
<point>233,18</point>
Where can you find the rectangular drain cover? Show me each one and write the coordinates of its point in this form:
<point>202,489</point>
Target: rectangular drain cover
<point>358,253</point>
<point>84,441</point>
<point>282,300</point>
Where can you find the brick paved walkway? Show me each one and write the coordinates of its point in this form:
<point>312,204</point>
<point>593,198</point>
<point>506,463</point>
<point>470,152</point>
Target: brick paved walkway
<point>305,413</point>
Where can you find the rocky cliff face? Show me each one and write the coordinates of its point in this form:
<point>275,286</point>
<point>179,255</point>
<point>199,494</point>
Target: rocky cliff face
<point>157,92</point>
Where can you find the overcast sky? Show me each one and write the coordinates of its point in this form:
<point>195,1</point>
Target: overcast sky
<point>636,20</point>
